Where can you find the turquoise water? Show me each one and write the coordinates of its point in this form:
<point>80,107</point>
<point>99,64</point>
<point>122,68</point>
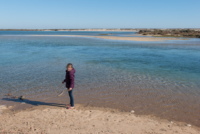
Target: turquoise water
<point>154,75</point>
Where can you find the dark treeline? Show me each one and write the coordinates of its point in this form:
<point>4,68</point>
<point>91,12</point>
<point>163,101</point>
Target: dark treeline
<point>171,32</point>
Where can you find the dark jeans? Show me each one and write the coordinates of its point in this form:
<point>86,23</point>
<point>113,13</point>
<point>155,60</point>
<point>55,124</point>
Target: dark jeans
<point>71,98</point>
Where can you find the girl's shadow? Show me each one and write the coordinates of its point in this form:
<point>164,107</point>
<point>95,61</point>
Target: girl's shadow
<point>35,103</point>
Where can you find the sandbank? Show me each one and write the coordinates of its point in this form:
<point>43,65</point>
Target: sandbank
<point>86,120</point>
<point>123,38</point>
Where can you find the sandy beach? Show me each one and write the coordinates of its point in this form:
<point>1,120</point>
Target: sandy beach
<point>90,120</point>
<point>136,38</point>
<point>123,38</point>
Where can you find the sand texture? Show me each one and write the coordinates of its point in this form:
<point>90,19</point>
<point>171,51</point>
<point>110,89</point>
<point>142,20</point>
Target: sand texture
<point>53,120</point>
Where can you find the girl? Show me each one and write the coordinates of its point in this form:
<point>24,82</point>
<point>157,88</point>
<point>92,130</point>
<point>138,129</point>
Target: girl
<point>69,80</point>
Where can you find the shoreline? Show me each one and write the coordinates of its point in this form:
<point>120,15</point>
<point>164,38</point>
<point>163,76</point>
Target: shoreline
<point>58,119</point>
<point>140,107</point>
<point>138,38</point>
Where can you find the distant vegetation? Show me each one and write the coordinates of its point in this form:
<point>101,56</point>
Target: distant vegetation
<point>171,32</point>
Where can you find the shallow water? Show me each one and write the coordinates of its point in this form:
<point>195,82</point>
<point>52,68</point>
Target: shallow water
<point>156,78</point>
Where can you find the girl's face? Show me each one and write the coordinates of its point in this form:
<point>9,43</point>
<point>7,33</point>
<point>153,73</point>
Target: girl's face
<point>69,68</point>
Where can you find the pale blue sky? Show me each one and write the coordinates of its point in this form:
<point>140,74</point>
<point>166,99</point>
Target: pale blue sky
<point>99,14</point>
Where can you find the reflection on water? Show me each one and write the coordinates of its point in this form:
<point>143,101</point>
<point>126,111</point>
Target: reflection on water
<point>159,78</point>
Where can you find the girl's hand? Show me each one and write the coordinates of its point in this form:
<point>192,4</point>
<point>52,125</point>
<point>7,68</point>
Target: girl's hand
<point>70,89</point>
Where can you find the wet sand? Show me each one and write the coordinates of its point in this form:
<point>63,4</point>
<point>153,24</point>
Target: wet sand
<point>123,38</point>
<point>86,120</point>
<point>159,108</point>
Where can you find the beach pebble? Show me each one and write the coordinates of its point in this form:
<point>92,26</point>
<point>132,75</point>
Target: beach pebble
<point>132,111</point>
<point>2,107</point>
<point>22,97</point>
<point>171,122</point>
<point>188,125</point>
<point>23,103</point>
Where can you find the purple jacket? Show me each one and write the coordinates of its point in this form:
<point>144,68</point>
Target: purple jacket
<point>69,78</point>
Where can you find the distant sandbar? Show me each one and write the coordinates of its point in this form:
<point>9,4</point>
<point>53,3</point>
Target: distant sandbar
<point>123,38</point>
